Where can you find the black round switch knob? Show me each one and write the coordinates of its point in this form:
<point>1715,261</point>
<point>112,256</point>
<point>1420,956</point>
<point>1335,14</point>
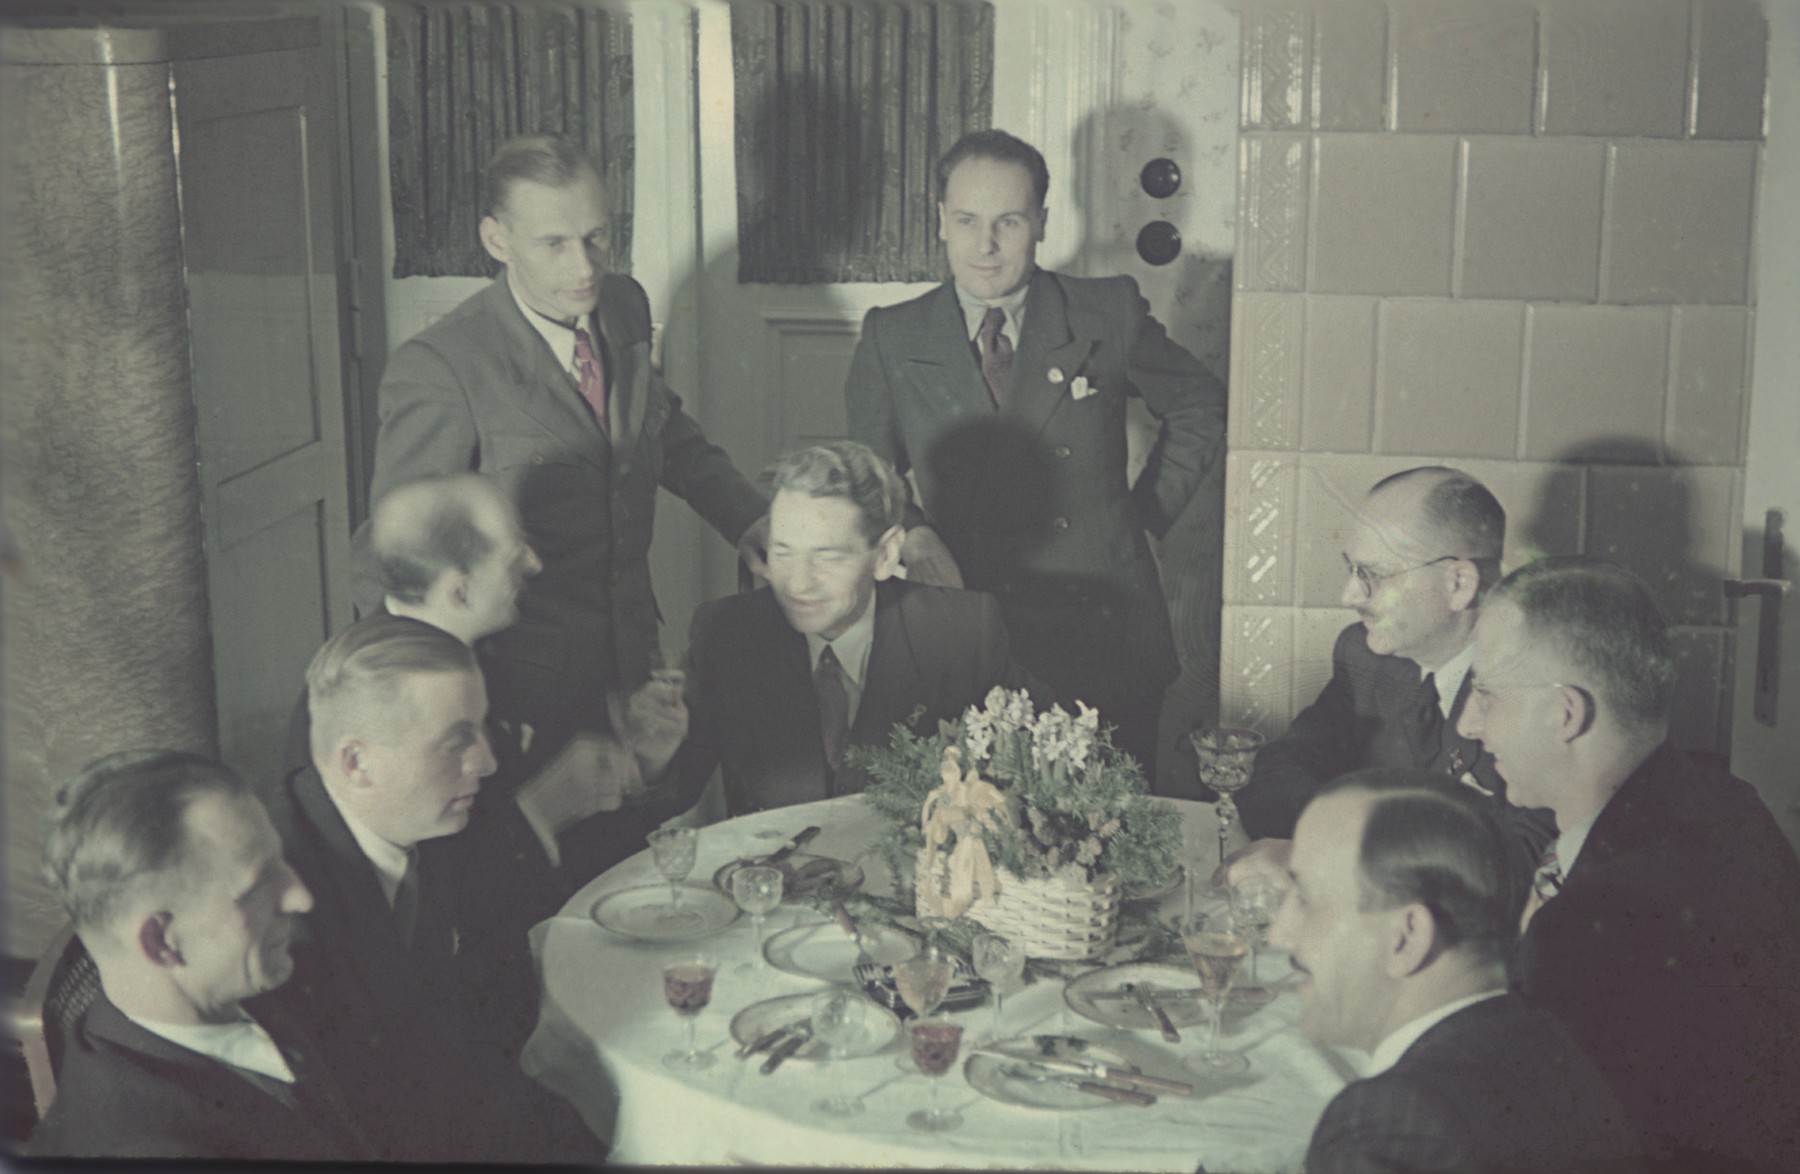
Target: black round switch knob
<point>1159,242</point>
<point>1161,178</point>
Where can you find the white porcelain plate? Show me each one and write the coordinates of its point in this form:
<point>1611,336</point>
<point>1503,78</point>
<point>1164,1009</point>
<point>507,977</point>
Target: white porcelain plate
<point>645,913</point>
<point>877,1026</point>
<point>1018,1083</point>
<point>803,876</point>
<point>1099,995</point>
<point>822,949</point>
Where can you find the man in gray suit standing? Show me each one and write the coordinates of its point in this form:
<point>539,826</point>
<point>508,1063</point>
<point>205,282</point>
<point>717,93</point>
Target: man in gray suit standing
<point>543,382</point>
<point>1004,392</point>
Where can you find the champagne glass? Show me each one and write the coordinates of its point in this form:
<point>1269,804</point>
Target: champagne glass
<point>756,890</point>
<point>687,985</point>
<point>837,1017</point>
<point>672,851</point>
<point>1224,756</point>
<point>1254,901</point>
<point>923,981</point>
<point>934,1047</point>
<point>1002,963</point>
<point>1218,949</point>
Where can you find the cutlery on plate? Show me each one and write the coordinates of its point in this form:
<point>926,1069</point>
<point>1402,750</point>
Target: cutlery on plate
<point>802,1034</point>
<point>849,926</point>
<point>1093,1070</point>
<point>1111,1092</point>
<point>789,848</point>
<point>1148,1002</point>
<point>764,1041</point>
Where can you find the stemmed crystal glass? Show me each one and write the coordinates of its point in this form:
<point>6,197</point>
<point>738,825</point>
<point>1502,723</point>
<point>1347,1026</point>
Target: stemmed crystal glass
<point>1254,901</point>
<point>756,890</point>
<point>1218,949</point>
<point>672,851</point>
<point>687,985</point>
<point>1002,963</point>
<point>934,1046</point>
<point>923,981</point>
<point>837,1017</point>
<point>1225,755</point>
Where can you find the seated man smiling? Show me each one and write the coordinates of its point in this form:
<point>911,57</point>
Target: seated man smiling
<point>1399,921</point>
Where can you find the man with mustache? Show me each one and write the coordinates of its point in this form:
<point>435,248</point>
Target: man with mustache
<point>1424,545</point>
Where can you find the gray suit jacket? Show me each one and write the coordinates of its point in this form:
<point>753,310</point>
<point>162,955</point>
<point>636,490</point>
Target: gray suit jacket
<point>1032,497</point>
<point>479,390</point>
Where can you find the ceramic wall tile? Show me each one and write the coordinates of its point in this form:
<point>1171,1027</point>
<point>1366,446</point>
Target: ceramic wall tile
<point>1449,378</point>
<point>1259,529</point>
<point>1594,384</point>
<point>1679,223</point>
<point>1706,388</point>
<point>1349,67</point>
<point>1730,69</point>
<point>1384,215</point>
<point>1531,218</point>
<point>1462,67</point>
<point>1267,354</point>
<point>1276,40</point>
<point>1338,386</point>
<point>1272,199</point>
<point>1674,527</point>
<point>1256,667</point>
<point>1613,67</point>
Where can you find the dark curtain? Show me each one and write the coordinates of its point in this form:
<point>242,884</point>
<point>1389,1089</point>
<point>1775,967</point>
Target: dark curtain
<point>462,79</point>
<point>842,111</point>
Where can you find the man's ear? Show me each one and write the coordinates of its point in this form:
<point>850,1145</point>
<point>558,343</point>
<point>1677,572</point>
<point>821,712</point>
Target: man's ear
<point>1414,941</point>
<point>352,760</point>
<point>455,588</point>
<point>1575,712</point>
<point>887,556</point>
<point>495,240</point>
<point>156,942</point>
<point>1465,584</point>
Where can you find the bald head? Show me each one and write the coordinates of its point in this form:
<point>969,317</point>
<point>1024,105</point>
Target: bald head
<point>1446,511</point>
<point>451,552</point>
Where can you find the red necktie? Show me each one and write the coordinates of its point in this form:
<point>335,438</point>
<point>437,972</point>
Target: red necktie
<point>996,353</point>
<point>593,377</point>
<point>834,707</point>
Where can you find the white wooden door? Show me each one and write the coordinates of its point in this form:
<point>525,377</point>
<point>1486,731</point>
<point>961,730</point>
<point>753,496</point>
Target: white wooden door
<point>1765,746</point>
<point>257,159</point>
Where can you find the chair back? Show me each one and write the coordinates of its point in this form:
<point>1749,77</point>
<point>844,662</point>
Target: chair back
<point>63,985</point>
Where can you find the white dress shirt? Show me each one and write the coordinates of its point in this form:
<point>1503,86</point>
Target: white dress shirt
<point>559,336</point>
<point>243,1043</point>
<point>1387,1053</point>
<point>388,858</point>
<point>852,652</point>
<point>1449,678</point>
<point>1569,844</point>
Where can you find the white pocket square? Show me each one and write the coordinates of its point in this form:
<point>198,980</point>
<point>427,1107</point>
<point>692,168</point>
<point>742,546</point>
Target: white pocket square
<point>1081,389</point>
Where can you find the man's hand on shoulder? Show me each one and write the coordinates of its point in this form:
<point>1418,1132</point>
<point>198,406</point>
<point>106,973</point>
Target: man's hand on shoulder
<point>1265,858</point>
<point>928,560</point>
<point>753,547</point>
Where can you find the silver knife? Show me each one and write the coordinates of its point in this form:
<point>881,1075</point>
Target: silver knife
<point>1095,1071</point>
<point>764,1041</point>
<point>1130,1096</point>
<point>1148,1002</point>
<point>802,1034</point>
<point>791,847</point>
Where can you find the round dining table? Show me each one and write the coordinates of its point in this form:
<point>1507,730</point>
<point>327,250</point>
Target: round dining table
<point>605,1027</point>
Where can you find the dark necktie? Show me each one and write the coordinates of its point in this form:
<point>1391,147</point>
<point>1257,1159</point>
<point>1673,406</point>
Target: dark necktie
<point>1428,725</point>
<point>406,897</point>
<point>996,353</point>
<point>834,708</point>
<point>593,376</point>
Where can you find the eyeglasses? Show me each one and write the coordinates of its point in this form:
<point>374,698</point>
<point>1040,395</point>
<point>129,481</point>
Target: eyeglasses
<point>1369,578</point>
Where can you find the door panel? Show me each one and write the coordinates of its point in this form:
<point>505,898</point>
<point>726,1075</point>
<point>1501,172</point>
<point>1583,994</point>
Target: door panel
<point>258,202</point>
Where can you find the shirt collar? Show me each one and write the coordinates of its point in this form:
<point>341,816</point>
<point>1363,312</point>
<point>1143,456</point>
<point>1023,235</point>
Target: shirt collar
<point>1387,1053</point>
<point>558,336</point>
<point>1569,844</point>
<point>1449,678</point>
<point>974,310</point>
<point>388,858</point>
<point>242,1043</point>
<point>851,648</point>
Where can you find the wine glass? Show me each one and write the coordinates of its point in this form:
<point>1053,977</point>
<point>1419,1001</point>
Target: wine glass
<point>672,851</point>
<point>1224,756</point>
<point>687,985</point>
<point>923,981</point>
<point>837,1017</point>
<point>1218,949</point>
<point>934,1046</point>
<point>1001,962</point>
<point>756,889</point>
<point>1254,901</point>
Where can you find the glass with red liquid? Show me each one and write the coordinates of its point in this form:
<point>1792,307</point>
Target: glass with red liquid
<point>687,985</point>
<point>935,1043</point>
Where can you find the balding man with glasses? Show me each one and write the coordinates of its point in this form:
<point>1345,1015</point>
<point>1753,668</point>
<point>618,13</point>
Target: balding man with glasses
<point>1424,546</point>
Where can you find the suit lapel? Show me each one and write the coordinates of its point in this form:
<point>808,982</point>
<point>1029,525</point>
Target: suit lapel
<point>893,676</point>
<point>940,359</point>
<point>544,395</point>
<point>1049,343</point>
<point>367,914</point>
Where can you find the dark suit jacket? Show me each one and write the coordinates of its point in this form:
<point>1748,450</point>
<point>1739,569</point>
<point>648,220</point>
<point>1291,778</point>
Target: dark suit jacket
<point>1672,952</point>
<point>425,1038</point>
<point>1366,717</point>
<point>1499,1086</point>
<point>1032,498</point>
<point>753,710</point>
<point>479,390</point>
<point>124,1092</point>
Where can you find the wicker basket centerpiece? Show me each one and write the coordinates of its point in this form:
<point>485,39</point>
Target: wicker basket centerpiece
<point>1028,823</point>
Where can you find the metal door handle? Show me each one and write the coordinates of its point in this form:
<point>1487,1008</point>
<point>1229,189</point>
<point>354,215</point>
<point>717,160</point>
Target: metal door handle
<point>1767,588</point>
<point>1768,624</point>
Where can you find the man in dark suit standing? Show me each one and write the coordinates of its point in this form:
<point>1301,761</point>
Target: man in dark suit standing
<point>544,382</point>
<point>175,883</point>
<point>835,651</point>
<point>1664,922</point>
<point>414,957</point>
<point>1004,392</point>
<point>1424,545</point>
<point>1399,921</point>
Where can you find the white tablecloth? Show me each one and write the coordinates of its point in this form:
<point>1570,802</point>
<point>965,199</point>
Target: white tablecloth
<point>605,1027</point>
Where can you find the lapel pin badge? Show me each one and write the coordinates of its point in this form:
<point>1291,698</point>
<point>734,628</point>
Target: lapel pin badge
<point>1080,389</point>
<point>1055,375</point>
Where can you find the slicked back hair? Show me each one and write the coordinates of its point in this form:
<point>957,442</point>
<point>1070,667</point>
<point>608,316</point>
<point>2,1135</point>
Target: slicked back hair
<point>551,160</point>
<point>1426,842</point>
<point>444,536</point>
<point>355,679</point>
<point>1462,512</point>
<point>1600,617</point>
<point>847,469</point>
<point>121,823</point>
<point>1002,148</point>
